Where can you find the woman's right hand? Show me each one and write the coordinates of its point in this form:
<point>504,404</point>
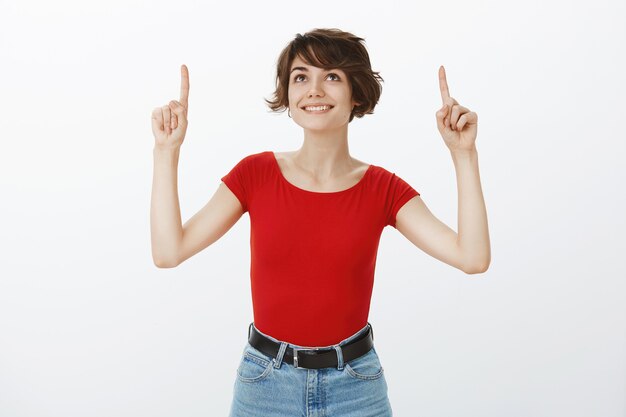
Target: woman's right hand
<point>169,123</point>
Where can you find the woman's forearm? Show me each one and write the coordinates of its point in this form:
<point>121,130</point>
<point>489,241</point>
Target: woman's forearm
<point>165,221</point>
<point>473,234</point>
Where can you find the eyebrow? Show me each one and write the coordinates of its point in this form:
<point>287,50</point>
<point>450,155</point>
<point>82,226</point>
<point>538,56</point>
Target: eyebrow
<point>298,68</point>
<point>306,69</point>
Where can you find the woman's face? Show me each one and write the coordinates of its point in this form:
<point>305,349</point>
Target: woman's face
<point>309,85</point>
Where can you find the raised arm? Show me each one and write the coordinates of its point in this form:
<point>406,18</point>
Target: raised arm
<point>171,242</point>
<point>468,250</point>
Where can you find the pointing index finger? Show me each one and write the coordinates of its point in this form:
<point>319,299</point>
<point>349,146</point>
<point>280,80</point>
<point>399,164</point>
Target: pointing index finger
<point>184,85</point>
<point>443,85</point>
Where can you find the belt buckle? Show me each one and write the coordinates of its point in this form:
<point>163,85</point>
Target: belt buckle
<point>295,356</point>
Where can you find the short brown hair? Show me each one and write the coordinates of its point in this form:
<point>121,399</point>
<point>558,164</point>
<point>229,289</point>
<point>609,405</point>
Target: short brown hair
<point>330,48</point>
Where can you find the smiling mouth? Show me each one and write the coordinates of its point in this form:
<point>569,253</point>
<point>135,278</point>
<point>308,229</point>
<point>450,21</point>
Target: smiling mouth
<point>317,109</point>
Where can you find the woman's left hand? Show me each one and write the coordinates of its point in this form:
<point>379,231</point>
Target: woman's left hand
<point>457,124</point>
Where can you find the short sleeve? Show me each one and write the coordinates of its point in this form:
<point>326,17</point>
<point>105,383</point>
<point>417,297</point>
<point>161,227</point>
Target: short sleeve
<point>399,193</point>
<point>238,181</point>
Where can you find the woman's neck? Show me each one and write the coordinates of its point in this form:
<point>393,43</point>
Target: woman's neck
<point>325,154</point>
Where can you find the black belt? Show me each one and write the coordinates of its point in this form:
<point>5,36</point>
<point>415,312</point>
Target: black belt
<point>315,358</point>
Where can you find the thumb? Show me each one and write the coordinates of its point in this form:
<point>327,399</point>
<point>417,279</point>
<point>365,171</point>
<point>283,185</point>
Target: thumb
<point>441,115</point>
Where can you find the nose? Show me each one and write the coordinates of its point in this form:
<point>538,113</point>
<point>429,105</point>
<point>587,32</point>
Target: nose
<point>316,89</point>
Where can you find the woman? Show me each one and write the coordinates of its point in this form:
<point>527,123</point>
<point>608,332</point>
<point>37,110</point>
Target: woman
<point>316,217</point>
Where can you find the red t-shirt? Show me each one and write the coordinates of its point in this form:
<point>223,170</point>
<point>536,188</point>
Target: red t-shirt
<point>313,254</point>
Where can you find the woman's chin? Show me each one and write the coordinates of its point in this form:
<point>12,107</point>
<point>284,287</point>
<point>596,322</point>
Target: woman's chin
<point>319,126</point>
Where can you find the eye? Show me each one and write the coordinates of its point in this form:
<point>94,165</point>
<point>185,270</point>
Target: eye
<point>300,77</point>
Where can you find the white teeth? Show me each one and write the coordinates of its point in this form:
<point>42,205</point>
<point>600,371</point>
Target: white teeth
<point>317,108</point>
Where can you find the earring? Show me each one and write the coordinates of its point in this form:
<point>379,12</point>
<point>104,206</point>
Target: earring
<point>289,113</point>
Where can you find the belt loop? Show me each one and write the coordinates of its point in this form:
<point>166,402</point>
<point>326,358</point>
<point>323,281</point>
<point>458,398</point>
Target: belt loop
<point>371,330</point>
<point>295,357</point>
<point>281,353</point>
<point>339,357</point>
<point>249,329</point>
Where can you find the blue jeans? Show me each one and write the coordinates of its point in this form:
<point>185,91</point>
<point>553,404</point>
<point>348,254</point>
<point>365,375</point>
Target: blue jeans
<point>265,386</point>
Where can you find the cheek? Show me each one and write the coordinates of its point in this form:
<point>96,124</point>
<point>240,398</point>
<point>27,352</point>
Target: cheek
<point>343,92</point>
<point>292,96</point>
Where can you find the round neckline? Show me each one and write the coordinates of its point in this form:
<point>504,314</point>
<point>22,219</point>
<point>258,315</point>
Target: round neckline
<point>280,174</point>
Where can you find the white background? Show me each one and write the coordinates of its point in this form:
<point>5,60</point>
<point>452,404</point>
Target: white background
<point>89,326</point>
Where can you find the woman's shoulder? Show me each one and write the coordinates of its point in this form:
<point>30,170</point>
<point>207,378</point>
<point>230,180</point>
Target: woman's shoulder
<point>257,158</point>
<point>258,155</point>
<point>384,177</point>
